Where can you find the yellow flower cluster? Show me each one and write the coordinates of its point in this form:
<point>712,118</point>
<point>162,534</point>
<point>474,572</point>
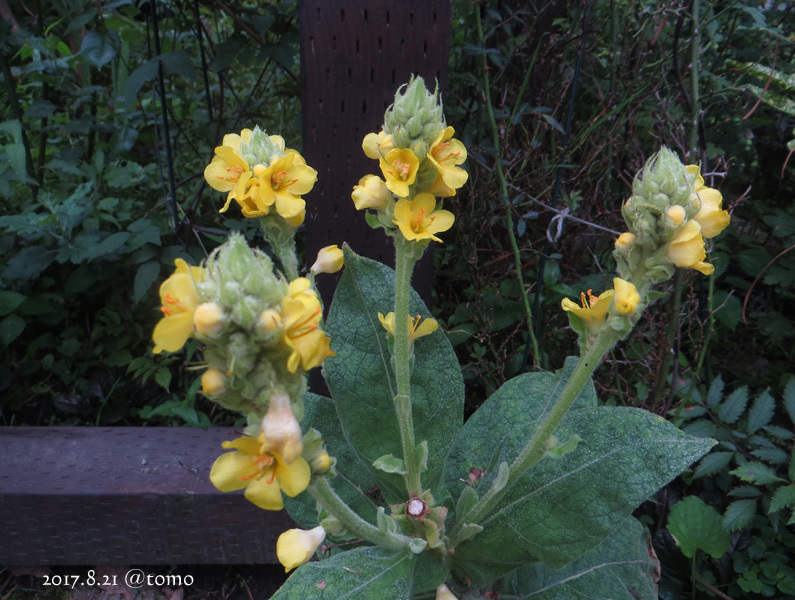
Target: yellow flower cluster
<point>258,179</point>
<point>420,162</point>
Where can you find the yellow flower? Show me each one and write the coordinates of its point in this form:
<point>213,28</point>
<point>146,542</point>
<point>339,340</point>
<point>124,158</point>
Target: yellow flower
<point>178,301</point>
<point>227,166</point>
<point>416,329</point>
<point>301,313</point>
<point>593,309</point>
<point>296,546</point>
<point>264,475</point>
<point>710,217</point>
<point>418,219</point>
<point>371,192</point>
<point>399,167</point>
<point>376,145</point>
<point>446,154</point>
<point>281,429</point>
<point>625,296</point>
<point>686,249</point>
<point>281,184</point>
<point>676,214</point>
<point>329,260</point>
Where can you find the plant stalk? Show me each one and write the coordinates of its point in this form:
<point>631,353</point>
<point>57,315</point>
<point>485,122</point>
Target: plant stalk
<point>534,450</point>
<point>328,498</point>
<point>405,257</point>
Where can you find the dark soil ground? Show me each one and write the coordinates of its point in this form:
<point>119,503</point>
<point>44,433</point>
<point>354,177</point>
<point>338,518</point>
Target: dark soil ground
<point>199,582</point>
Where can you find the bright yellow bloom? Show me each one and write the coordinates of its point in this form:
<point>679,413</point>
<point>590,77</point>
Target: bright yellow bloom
<point>301,313</point>
<point>418,219</point>
<point>446,154</point>
<point>399,167</point>
<point>625,296</point>
<point>416,329</point>
<point>213,382</point>
<point>329,260</point>
<point>371,192</point>
<point>281,184</point>
<point>593,309</point>
<point>296,546</point>
<point>710,217</point>
<point>686,249</point>
<point>178,301</point>
<point>264,475</point>
<point>227,166</point>
<point>281,429</point>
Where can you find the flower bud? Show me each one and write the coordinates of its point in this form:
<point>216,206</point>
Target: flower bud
<point>208,319</point>
<point>296,546</point>
<point>415,118</point>
<point>281,429</point>
<point>213,382</point>
<point>329,260</point>
<point>676,214</point>
<point>625,241</point>
<point>320,463</point>
<point>371,192</point>
<point>270,321</point>
<point>625,296</point>
<point>259,148</point>
<point>444,593</point>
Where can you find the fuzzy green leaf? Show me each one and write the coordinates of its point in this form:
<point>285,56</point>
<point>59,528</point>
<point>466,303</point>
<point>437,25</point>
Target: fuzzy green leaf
<point>353,482</point>
<point>625,455</point>
<point>734,406</point>
<point>368,572</point>
<point>756,473</point>
<point>361,378</point>
<point>783,497</point>
<point>697,526</point>
<point>761,412</point>
<point>620,568</point>
<point>738,514</point>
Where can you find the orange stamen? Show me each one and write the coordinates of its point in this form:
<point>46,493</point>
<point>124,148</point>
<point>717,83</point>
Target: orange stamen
<point>417,226</point>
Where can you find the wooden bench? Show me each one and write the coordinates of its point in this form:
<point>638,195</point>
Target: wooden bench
<point>116,496</point>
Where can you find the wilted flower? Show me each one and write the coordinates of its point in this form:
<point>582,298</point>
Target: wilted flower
<point>296,546</point>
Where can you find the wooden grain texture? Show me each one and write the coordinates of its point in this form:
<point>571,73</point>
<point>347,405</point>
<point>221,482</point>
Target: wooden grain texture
<point>125,495</point>
<point>354,55</point>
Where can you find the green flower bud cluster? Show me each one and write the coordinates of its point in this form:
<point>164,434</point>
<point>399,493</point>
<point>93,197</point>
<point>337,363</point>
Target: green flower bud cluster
<point>415,118</point>
<point>247,361</point>
<point>662,202</point>
<point>260,148</point>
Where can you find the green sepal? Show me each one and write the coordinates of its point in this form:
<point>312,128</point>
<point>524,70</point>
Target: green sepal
<point>469,530</point>
<point>417,545</point>
<point>467,499</point>
<point>385,522</point>
<point>559,450</point>
<point>390,464</point>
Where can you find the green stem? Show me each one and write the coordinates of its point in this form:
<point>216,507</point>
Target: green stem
<point>534,450</point>
<point>495,135</point>
<point>281,238</point>
<point>328,499</point>
<point>405,257</point>
<point>673,333</point>
<point>695,47</point>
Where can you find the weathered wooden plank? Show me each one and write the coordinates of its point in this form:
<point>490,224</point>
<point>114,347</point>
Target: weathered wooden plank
<point>124,495</point>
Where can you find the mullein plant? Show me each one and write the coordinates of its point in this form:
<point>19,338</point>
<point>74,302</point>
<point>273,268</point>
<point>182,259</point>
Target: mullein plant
<point>397,496</point>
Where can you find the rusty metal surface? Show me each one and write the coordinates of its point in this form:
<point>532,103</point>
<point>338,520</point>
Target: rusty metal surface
<point>124,495</point>
<point>354,55</point>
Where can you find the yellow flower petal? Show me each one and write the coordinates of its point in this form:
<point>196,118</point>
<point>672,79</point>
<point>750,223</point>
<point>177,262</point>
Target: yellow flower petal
<point>418,219</point>
<point>231,471</point>
<point>265,493</point>
<point>625,296</point>
<point>399,168</point>
<point>293,478</point>
<point>296,546</point>
<point>446,154</point>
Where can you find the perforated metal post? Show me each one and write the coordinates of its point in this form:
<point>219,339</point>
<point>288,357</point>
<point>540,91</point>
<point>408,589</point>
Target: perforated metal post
<point>354,55</point>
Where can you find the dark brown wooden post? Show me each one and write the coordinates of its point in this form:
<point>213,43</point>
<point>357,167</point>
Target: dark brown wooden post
<point>354,55</point>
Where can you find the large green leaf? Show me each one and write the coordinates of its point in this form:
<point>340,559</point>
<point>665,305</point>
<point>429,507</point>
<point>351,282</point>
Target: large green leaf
<point>561,508</point>
<point>353,481</point>
<point>361,378</point>
<point>697,526</point>
<point>622,567</point>
<point>360,574</point>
